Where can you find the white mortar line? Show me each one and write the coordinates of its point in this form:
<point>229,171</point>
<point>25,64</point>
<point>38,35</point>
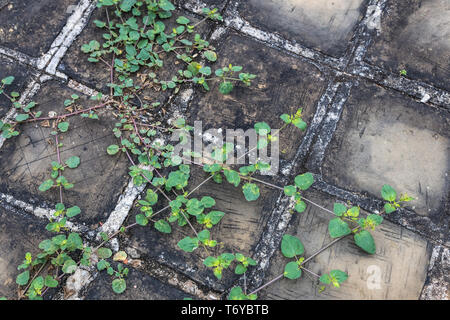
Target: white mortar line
<point>123,207</point>
<point>42,213</point>
<point>19,56</point>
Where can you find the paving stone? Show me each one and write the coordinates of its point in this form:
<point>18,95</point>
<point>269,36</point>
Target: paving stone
<point>384,137</point>
<point>97,75</point>
<point>21,24</point>
<point>239,231</point>
<point>321,24</point>
<point>283,85</point>
<point>140,286</point>
<point>414,37</point>
<point>22,76</point>
<point>396,271</point>
<point>20,233</point>
<point>98,180</point>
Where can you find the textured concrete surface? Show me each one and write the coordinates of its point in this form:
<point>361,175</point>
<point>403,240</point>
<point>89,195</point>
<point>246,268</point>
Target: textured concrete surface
<point>379,140</point>
<point>367,126</point>
<point>410,40</point>
<point>321,24</point>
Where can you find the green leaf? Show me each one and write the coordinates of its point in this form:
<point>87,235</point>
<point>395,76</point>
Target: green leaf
<point>188,244</point>
<point>69,266</point>
<point>338,228</point>
<point>73,211</point>
<point>299,123</point>
<point>304,181</point>
<point>208,202</point>
<point>325,278</point>
<point>291,246</point>
<point>225,87</point>
<point>50,282</point>
<point>365,241</point>
<point>112,149</point>
<point>262,128</point>
<point>22,279</point>
<point>388,193</point>
<point>389,208</point>
<point>205,71</point>
<point>215,216</point>
<point>166,5</point>
<point>292,271</point>
<point>8,80</point>
<point>290,190</point>
<point>63,126</point>
<point>163,226</point>
<point>141,220</point>
<point>210,55</point>
<point>22,117</point>
<point>211,262</point>
<point>286,118</point>
<point>46,185</point>
<point>251,191</point>
<point>104,253</point>
<point>339,275</point>
<point>237,294</point>
<point>339,209</point>
<point>102,265</point>
<point>183,20</point>
<point>374,219</point>
<point>119,285</point>
<point>74,242</point>
<point>240,269</point>
<point>232,177</point>
<point>73,162</point>
<point>300,207</point>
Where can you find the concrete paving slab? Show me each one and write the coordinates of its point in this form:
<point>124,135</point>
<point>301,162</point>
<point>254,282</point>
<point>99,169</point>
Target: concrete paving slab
<point>396,271</point>
<point>21,24</point>
<point>414,36</point>
<point>100,178</point>
<point>323,25</point>
<point>384,137</point>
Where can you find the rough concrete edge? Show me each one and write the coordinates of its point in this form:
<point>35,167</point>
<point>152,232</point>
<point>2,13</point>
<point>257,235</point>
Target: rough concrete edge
<point>313,127</point>
<point>39,212</point>
<point>123,207</point>
<point>423,92</point>
<point>269,242</point>
<point>328,127</point>
<point>19,56</point>
<point>437,283</point>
